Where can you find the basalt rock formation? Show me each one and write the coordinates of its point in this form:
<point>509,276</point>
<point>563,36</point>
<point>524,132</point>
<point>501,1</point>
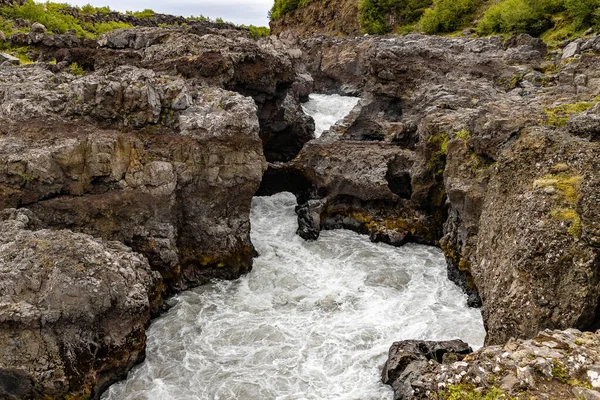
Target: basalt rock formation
<point>159,161</point>
<point>488,148</point>
<point>203,52</point>
<point>467,144</point>
<point>73,310</point>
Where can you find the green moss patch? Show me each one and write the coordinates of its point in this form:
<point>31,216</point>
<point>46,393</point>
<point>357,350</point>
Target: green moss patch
<point>558,116</point>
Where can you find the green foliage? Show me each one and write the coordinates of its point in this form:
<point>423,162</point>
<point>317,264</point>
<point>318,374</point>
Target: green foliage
<point>76,69</point>
<point>199,18</point>
<point>467,392</point>
<point>47,14</point>
<point>375,14</point>
<point>257,32</point>
<point>282,7</point>
<point>520,16</point>
<point>103,27</point>
<point>145,14</point>
<point>584,12</point>
<point>448,15</point>
<point>89,9</point>
<point>56,18</point>
<point>6,27</point>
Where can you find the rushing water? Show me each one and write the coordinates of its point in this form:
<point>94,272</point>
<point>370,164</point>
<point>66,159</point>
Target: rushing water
<point>326,110</point>
<point>313,320</point>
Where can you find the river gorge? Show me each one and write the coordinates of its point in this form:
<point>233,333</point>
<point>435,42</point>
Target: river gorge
<point>180,219</point>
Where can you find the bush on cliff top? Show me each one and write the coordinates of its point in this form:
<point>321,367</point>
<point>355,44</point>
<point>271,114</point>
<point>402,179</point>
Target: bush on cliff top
<point>448,15</point>
<point>380,16</point>
<point>520,16</point>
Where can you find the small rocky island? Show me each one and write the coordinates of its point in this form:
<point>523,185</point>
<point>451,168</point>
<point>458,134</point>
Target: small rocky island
<point>129,158</point>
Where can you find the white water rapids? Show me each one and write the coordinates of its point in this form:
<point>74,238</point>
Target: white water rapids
<point>313,320</point>
<point>326,109</point>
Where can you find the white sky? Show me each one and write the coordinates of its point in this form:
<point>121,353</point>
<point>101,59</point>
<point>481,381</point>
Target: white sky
<point>247,12</point>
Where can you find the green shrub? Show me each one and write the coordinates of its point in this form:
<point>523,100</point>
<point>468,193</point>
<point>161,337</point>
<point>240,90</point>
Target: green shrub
<point>519,16</point>
<point>103,27</point>
<point>584,12</point>
<point>47,14</point>
<point>282,7</point>
<point>257,32</point>
<point>199,18</point>
<point>448,15</point>
<point>76,69</point>
<point>375,14</point>
<point>145,14</point>
<point>89,9</point>
<point>55,17</point>
<point>6,27</point>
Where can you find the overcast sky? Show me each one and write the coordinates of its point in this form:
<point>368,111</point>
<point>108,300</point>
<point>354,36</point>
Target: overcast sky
<point>247,12</point>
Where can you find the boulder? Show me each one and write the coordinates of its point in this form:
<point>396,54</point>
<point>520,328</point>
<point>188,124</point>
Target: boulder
<point>408,359</point>
<point>36,27</point>
<point>571,50</point>
<point>73,310</point>
<point>7,59</point>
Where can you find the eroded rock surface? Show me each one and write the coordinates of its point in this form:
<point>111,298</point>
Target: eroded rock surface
<point>165,190</point>
<point>424,154</point>
<point>560,364</point>
<point>73,310</point>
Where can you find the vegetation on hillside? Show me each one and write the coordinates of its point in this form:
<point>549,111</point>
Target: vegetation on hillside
<point>62,17</point>
<point>56,17</point>
<point>553,20</point>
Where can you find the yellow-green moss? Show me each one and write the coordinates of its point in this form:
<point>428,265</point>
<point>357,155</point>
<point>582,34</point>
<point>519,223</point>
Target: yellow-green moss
<point>463,134</point>
<point>558,116</point>
<point>468,392</point>
<point>572,218</point>
<point>438,144</point>
<point>567,185</point>
<point>560,372</point>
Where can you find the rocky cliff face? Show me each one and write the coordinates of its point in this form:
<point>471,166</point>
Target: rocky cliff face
<point>331,17</point>
<point>487,148</point>
<point>147,149</point>
<point>162,190</point>
<point>442,149</point>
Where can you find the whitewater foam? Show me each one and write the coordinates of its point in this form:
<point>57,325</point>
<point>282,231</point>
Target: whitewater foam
<point>327,109</point>
<point>313,320</point>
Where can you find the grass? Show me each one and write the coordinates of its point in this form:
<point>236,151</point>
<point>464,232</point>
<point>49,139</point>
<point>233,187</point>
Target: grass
<point>57,18</point>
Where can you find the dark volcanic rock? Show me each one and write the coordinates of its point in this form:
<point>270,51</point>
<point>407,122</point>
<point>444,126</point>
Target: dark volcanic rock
<point>165,190</point>
<point>560,364</point>
<point>73,310</point>
<point>538,255</point>
<point>408,359</point>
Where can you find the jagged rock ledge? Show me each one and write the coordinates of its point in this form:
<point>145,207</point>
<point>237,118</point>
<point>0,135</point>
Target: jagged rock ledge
<point>554,364</point>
